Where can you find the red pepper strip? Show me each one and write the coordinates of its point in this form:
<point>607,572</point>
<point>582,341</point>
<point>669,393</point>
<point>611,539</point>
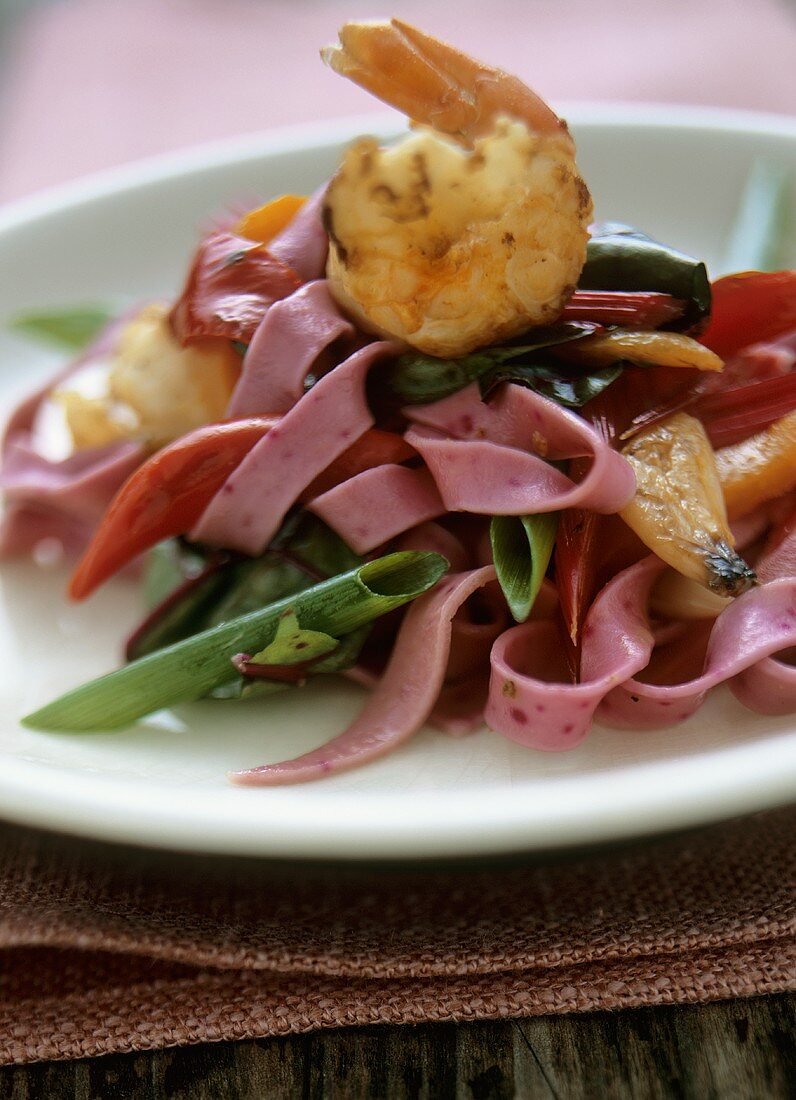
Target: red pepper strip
<point>749,308</point>
<point>642,396</point>
<point>733,415</point>
<point>744,370</point>
<point>374,448</point>
<point>749,368</point>
<point>630,308</point>
<point>231,284</point>
<point>575,570</point>
<point>590,548</point>
<point>165,497</point>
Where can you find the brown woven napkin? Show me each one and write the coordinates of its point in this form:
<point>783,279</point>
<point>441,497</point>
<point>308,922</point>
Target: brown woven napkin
<point>108,949</point>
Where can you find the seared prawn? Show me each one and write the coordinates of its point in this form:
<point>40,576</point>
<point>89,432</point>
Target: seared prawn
<point>471,229</point>
<point>153,389</point>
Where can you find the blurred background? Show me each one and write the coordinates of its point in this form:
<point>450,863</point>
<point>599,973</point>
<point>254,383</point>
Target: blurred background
<point>87,84</point>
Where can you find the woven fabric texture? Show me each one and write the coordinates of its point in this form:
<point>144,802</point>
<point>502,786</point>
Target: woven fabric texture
<point>109,949</point>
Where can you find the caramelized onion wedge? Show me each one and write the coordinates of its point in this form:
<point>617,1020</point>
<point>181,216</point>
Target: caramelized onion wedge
<point>662,349</point>
<point>678,510</point>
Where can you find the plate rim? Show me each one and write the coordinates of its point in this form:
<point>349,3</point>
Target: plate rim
<point>742,778</point>
<point>376,826</point>
<point>160,167</point>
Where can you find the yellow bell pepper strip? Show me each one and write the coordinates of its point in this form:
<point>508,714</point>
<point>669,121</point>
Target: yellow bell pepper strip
<point>760,468</point>
<point>265,222</point>
<point>661,349</point>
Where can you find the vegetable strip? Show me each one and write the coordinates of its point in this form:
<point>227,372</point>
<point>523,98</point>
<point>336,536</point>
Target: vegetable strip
<point>191,668</point>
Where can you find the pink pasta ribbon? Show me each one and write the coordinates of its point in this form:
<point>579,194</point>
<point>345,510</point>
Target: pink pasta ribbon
<point>769,687</point>
<point>493,458</point>
<point>249,508</point>
<point>303,243</point>
<point>288,341</point>
<point>530,703</point>
<point>528,700</point>
<point>375,506</point>
<point>403,698</point>
<point>59,498</point>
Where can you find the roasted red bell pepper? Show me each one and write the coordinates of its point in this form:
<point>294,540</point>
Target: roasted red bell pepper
<point>168,493</point>
<point>735,414</point>
<point>231,284</point>
<point>165,497</point>
<point>749,308</point>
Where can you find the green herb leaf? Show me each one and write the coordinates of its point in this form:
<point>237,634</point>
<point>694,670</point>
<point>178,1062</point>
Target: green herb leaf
<point>190,669</point>
<point>309,540</point>
<point>179,615</point>
<point>167,566</point>
<point>248,689</point>
<point>521,549</point>
<point>294,644</point>
<point>344,656</point>
<point>181,586</point>
<point>252,584</point>
<point>305,550</point>
<point>420,379</point>
<point>72,329</point>
<point>759,228</point>
<point>555,383</point>
<point>619,257</point>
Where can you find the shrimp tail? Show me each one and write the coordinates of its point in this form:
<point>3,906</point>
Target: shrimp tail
<point>433,83</point>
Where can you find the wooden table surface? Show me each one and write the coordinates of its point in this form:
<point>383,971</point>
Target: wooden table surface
<point>733,1050</point>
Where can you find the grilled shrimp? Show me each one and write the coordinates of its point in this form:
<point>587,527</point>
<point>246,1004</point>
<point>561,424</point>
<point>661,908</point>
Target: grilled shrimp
<point>153,389</point>
<point>472,228</point>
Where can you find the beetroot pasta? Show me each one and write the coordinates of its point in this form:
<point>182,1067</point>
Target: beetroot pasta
<point>435,429</point>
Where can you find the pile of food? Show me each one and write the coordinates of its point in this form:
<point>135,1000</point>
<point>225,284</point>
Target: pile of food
<point>432,429</point>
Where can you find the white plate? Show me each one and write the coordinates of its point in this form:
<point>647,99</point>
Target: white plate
<point>127,234</point>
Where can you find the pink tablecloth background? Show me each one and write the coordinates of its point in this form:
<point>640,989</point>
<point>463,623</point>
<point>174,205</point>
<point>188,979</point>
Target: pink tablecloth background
<point>94,83</point>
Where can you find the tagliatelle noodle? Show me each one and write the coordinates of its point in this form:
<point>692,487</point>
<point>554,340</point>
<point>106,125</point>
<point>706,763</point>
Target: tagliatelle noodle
<point>528,705</point>
<point>459,708</point>
<point>23,527</point>
<point>493,457</point>
<point>284,348</point>
<point>59,498</point>
<point>769,687</point>
<point>80,485</point>
<point>756,625</point>
<point>433,536</point>
<point>779,561</point>
<point>249,508</point>
<point>303,244</point>
<point>529,701</point>
<point>403,698</point>
<point>375,506</point>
